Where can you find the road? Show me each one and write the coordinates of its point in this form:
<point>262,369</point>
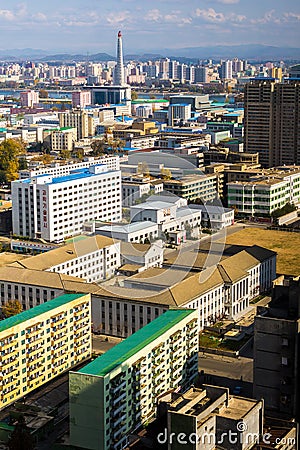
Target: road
<point>227,372</point>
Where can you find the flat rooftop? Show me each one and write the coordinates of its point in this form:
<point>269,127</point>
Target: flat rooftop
<point>237,408</point>
<point>126,228</point>
<point>38,310</point>
<point>117,355</point>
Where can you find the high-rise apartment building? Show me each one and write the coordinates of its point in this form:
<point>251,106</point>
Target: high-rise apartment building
<point>272,121</point>
<point>118,391</point>
<point>40,344</point>
<point>226,70</point>
<point>29,98</point>
<point>81,99</point>
<point>55,208</point>
<point>75,119</point>
<point>277,349</point>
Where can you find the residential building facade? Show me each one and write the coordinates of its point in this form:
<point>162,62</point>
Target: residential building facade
<point>42,343</point>
<point>122,386</point>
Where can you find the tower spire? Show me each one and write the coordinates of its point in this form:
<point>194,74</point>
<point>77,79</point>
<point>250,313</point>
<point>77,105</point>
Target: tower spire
<point>119,73</point>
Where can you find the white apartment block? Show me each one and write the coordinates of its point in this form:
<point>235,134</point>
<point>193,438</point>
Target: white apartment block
<point>123,385</point>
<point>55,208</point>
<point>266,193</point>
<point>93,258</point>
<point>59,170</point>
<point>42,343</point>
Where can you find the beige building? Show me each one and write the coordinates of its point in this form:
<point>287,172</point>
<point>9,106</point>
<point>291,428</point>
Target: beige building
<point>78,119</point>
<point>42,343</point>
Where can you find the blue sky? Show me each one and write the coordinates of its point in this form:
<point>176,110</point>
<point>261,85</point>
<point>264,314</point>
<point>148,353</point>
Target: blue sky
<point>91,25</point>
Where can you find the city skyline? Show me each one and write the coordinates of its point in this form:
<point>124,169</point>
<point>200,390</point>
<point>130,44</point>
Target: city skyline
<point>165,24</point>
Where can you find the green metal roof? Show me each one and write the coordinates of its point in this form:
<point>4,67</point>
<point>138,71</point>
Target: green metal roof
<point>149,100</point>
<point>117,355</point>
<point>37,310</point>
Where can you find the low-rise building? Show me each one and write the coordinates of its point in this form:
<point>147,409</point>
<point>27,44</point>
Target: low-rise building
<point>122,386</point>
<point>264,194</point>
<point>215,217</point>
<point>93,258</point>
<point>194,187</point>
<point>42,343</point>
<point>136,232</point>
<point>208,418</point>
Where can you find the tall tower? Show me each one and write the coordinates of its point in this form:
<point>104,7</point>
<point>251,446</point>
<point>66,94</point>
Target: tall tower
<point>119,70</point>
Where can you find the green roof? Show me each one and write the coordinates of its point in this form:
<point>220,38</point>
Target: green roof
<point>5,426</point>
<point>149,100</point>
<point>37,310</point>
<point>117,355</point>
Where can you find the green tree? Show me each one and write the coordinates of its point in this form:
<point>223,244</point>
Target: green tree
<point>98,146</point>
<point>11,308</point>
<point>10,150</point>
<point>166,174</point>
<point>21,438</point>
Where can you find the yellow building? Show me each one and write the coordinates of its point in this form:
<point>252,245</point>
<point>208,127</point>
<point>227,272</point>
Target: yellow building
<point>39,344</point>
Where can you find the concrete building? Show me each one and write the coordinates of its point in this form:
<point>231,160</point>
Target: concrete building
<point>203,419</point>
<point>81,99</point>
<point>277,349</point>
<point>57,170</point>
<point>118,392</point>
<point>226,70</point>
<point>197,102</point>
<point>267,192</point>
<point>55,208</point>
<point>193,187</point>
<point>63,139</point>
<point>29,98</point>
<point>113,95</point>
<point>179,112</point>
<point>140,257</point>
<point>132,232</point>
<point>271,121</point>
<point>93,258</point>
<point>75,119</point>
<point>215,217</point>
<point>119,69</point>
<point>168,216</point>
<point>42,343</point>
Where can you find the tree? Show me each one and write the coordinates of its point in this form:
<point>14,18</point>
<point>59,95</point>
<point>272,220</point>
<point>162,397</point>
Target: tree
<point>10,150</point>
<point>21,438</point>
<point>165,174</point>
<point>143,169</point>
<point>134,95</point>
<point>11,308</point>
<point>43,93</point>
<point>98,146</point>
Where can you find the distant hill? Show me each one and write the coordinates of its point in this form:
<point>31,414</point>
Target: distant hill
<point>252,52</point>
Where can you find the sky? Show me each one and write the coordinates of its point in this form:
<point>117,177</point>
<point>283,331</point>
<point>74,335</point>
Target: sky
<point>92,25</point>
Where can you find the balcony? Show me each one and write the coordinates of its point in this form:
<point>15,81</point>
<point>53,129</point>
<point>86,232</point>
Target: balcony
<point>119,409</point>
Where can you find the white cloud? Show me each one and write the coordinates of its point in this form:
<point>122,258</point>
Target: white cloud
<point>228,2</point>
<point>118,18</point>
<point>6,14</point>
<point>210,15</point>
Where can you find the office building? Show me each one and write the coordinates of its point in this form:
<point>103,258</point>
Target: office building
<point>193,187</point>
<point>111,95</point>
<point>118,392</point>
<point>55,208</point>
<point>58,170</point>
<point>42,343</point>
<point>277,349</point>
<point>62,139</point>
<point>265,193</point>
<point>272,126</point>
<point>205,416</point>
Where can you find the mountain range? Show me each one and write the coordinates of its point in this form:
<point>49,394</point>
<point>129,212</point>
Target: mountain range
<point>251,52</point>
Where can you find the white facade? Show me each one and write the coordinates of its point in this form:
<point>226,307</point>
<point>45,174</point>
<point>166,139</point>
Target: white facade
<point>168,216</point>
<point>56,208</point>
<point>143,255</point>
<point>132,232</point>
<point>58,170</point>
<point>215,216</point>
